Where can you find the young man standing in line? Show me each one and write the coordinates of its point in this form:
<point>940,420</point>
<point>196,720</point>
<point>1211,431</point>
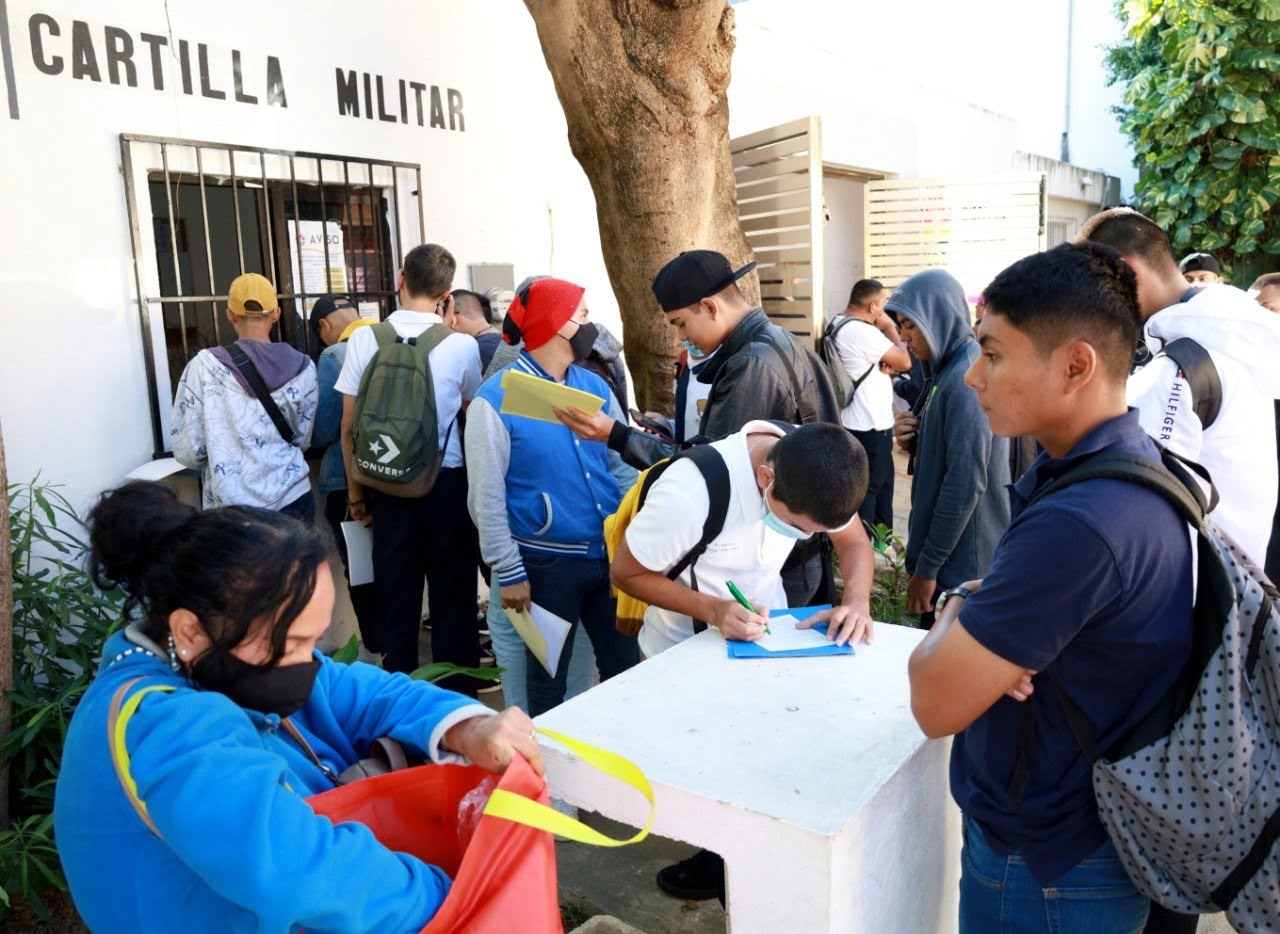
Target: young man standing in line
<point>469,313</point>
<point>334,318</point>
<point>428,536</point>
<point>221,426</point>
<point>539,496</point>
<point>959,506</point>
<point>1201,269</point>
<point>871,350</point>
<point>1242,340</point>
<point>773,502</point>
<point>1078,590</point>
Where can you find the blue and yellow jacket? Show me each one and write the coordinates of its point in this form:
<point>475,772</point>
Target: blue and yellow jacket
<point>238,847</point>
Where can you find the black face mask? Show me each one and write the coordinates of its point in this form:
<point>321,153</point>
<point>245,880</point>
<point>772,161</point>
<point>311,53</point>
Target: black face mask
<point>282,690</point>
<point>582,341</point>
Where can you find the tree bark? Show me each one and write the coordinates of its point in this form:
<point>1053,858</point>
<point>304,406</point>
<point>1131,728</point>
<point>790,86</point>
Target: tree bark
<point>643,85</point>
<point>6,628</point>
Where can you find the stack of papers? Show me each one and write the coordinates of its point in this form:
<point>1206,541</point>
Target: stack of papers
<point>788,642</point>
<point>532,397</point>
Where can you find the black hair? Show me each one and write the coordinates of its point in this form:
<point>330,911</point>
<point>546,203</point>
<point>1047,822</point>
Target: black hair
<point>1082,291</point>
<point>428,271</point>
<point>1129,234</point>
<point>820,472</point>
<point>472,305</point>
<point>1266,280</point>
<point>864,290</point>
<point>237,568</point>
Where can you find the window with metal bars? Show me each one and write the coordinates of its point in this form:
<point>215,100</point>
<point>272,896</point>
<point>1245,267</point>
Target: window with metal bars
<point>202,213</point>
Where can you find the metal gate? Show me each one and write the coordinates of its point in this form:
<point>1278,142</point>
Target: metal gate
<point>202,213</point>
<point>973,228</point>
<point>779,179</point>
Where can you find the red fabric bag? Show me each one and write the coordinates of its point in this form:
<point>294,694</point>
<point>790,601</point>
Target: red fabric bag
<point>504,873</point>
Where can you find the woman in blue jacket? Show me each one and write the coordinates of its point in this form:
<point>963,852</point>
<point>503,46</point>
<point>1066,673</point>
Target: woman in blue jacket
<point>230,603</point>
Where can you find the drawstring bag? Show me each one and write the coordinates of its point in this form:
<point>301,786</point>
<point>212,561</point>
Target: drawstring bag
<point>493,836</point>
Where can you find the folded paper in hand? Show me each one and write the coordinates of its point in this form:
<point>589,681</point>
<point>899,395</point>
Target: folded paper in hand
<point>543,632</point>
<point>533,397</point>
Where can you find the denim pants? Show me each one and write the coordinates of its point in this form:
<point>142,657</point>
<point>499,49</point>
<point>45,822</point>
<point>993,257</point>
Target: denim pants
<point>998,894</point>
<point>509,651</point>
<point>577,590</point>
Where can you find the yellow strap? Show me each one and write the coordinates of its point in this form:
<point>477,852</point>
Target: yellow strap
<point>521,810</point>
<point>118,723</point>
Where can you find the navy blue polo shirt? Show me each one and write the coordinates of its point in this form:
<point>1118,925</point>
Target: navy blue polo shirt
<point>1093,583</point>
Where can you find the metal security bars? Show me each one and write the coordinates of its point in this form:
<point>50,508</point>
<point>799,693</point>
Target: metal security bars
<point>312,223</point>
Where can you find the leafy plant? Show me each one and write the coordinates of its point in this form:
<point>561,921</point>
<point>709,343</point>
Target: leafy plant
<point>60,621</point>
<point>889,589</point>
<point>1202,109</point>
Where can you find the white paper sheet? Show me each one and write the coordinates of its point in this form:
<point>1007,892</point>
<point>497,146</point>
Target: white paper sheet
<point>544,633</point>
<point>787,638</point>
<point>359,552</point>
<point>155,470</point>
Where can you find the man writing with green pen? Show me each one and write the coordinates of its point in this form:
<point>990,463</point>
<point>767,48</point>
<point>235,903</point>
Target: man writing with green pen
<point>785,484</point>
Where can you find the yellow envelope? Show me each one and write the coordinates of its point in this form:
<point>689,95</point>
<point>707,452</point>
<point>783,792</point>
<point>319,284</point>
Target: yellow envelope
<point>533,397</point>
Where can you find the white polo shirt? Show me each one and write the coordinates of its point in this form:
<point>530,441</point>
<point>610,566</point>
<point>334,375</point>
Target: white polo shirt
<point>861,347</point>
<point>746,551</point>
<point>455,372</point>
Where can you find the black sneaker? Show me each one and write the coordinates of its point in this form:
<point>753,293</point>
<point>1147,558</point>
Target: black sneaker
<point>696,879</point>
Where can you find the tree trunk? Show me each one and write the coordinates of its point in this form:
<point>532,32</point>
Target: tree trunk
<point>643,84</point>
<point>6,628</point>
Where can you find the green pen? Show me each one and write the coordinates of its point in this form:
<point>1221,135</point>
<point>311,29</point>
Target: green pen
<point>737,595</point>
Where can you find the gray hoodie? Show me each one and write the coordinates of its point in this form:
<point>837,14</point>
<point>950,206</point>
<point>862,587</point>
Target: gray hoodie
<point>959,504</point>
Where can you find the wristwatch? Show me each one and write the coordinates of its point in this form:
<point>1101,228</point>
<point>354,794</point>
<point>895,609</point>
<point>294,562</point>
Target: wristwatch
<point>964,593</point>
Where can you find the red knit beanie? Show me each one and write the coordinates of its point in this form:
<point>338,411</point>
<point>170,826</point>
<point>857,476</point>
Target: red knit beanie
<point>550,303</point>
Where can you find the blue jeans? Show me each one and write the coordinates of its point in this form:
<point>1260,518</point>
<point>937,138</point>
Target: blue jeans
<point>508,649</point>
<point>998,894</point>
<point>577,590</point>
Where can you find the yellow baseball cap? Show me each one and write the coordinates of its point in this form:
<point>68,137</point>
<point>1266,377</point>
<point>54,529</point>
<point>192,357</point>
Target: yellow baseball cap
<point>252,287</point>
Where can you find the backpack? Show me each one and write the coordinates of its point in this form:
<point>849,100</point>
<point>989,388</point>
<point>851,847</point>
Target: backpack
<point>396,439</point>
<point>1191,797</point>
<point>827,351</point>
<point>1201,375</point>
<point>715,473</point>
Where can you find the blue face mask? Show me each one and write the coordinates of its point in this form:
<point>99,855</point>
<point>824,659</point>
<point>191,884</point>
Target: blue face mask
<point>773,522</point>
<point>693,351</point>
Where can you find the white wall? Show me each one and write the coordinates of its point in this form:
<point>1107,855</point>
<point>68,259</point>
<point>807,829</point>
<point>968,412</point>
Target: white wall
<point>842,242</point>
<point>72,390</point>
<point>929,87</point>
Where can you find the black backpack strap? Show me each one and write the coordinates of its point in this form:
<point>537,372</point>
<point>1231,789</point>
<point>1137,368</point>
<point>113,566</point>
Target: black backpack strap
<point>254,379</point>
<point>715,473</point>
<point>1201,375</point>
<point>791,373</point>
<point>1173,481</point>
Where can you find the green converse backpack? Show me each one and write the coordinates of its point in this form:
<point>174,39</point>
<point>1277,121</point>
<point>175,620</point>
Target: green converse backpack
<point>396,438</point>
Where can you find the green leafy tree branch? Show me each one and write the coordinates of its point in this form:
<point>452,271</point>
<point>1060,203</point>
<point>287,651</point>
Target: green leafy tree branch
<point>1202,110</point>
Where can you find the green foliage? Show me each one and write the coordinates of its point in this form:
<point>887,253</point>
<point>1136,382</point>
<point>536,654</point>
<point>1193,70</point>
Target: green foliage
<point>29,863</point>
<point>60,621</point>
<point>1202,109</point>
<point>889,590</point>
<point>349,652</point>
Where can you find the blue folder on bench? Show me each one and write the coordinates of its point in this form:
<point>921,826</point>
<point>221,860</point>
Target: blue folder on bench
<point>751,650</point>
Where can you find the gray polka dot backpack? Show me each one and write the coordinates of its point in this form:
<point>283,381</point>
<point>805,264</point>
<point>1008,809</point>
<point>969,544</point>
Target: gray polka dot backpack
<point>1191,798</point>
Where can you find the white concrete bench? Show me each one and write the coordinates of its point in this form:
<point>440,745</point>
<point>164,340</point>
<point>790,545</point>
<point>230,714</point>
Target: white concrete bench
<point>808,775</point>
